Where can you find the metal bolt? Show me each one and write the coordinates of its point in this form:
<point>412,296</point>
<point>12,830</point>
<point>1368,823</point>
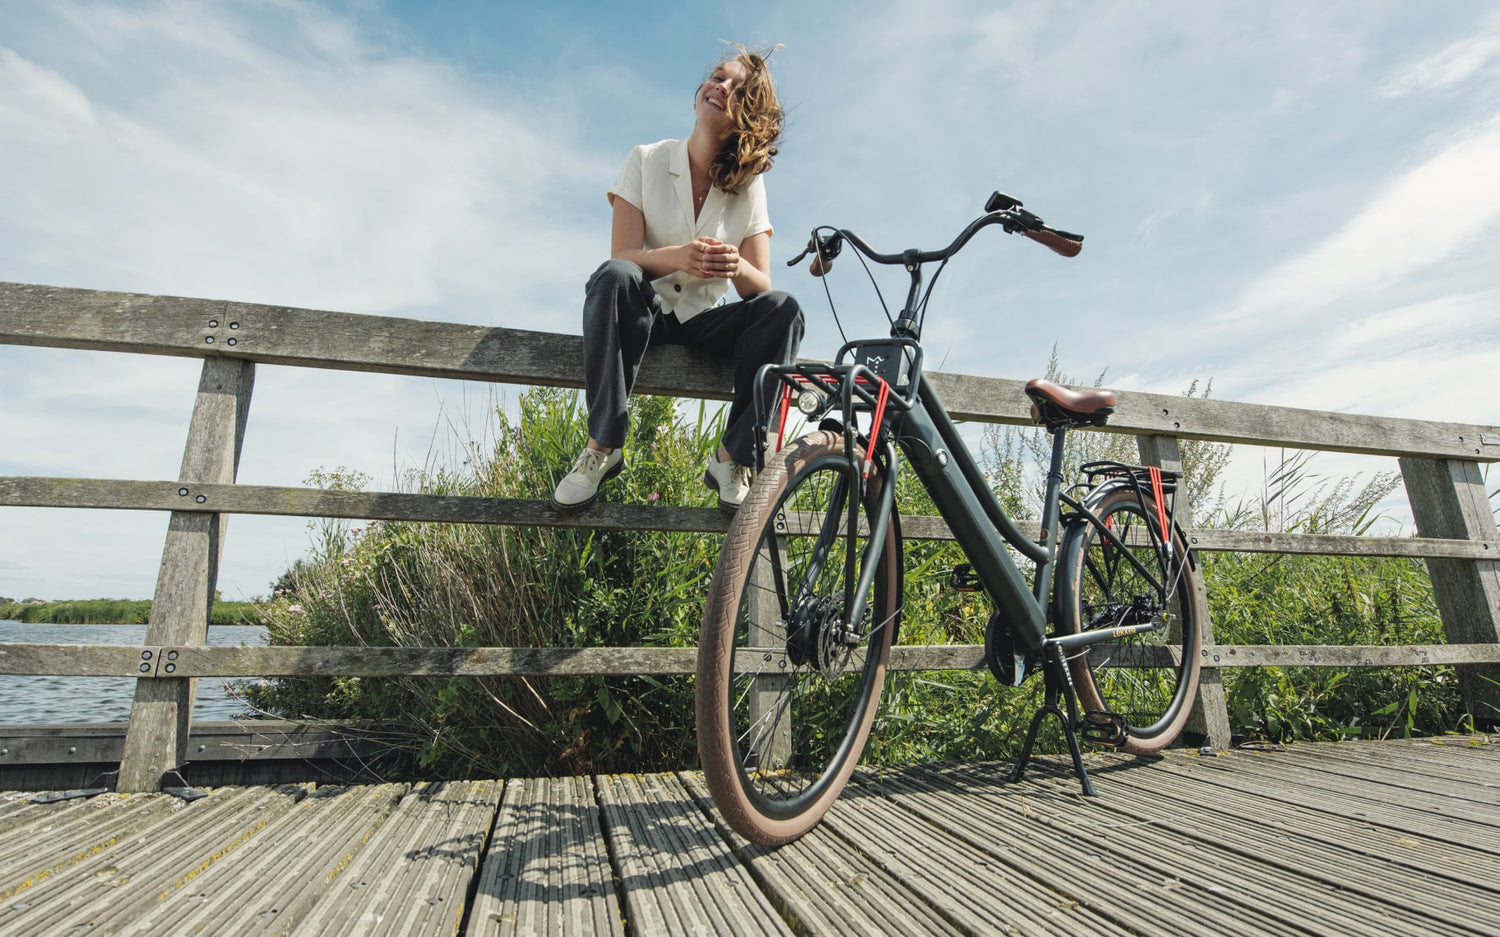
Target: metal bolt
<point>72,749</point>
<point>182,492</point>
<point>201,498</point>
<point>145,655</point>
<point>171,668</point>
<point>208,339</point>
<point>171,655</point>
<point>234,341</point>
<point>234,325</point>
<point>213,323</point>
<point>145,668</point>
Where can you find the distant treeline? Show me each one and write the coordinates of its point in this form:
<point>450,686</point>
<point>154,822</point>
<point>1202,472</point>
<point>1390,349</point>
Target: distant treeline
<point>114,612</point>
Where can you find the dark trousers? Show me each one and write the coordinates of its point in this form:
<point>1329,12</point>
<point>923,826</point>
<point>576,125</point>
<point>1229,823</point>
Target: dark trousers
<point>623,316</point>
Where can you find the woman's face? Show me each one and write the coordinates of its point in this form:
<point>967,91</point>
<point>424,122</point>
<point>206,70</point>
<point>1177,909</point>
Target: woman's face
<point>717,95</point>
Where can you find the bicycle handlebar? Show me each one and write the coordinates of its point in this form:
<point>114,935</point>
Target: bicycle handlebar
<point>1000,209</point>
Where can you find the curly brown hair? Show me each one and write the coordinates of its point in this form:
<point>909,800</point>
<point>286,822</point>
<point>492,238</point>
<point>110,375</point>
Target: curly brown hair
<point>758,118</point>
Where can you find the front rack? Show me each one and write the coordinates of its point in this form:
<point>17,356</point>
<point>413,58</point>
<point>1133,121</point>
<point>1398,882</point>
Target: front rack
<point>881,374</point>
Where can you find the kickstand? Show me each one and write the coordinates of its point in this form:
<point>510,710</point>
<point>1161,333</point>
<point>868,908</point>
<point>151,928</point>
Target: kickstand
<point>1059,686</point>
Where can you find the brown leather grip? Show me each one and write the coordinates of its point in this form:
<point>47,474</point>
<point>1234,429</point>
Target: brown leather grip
<point>1056,242</point>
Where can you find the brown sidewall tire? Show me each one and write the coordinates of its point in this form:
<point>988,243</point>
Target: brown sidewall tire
<point>1070,618</point>
<point>717,750</point>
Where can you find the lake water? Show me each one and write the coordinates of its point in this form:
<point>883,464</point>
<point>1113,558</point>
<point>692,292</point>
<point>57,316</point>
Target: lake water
<point>105,699</point>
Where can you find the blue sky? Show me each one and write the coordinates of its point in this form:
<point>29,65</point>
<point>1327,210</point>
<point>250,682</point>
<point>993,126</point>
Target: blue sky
<point>1298,201</point>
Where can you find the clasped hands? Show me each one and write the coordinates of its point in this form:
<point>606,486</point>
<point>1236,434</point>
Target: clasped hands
<point>710,258</point>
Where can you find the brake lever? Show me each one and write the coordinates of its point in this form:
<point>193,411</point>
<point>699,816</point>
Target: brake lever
<point>824,248</point>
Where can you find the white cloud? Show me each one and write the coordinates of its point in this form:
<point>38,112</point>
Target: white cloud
<point>266,153</point>
<point>39,95</point>
<point>1421,217</point>
<point>1456,63</point>
<point>353,178</point>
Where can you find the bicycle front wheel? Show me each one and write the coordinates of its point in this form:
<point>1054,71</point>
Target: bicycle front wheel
<point>1148,678</point>
<point>789,676</point>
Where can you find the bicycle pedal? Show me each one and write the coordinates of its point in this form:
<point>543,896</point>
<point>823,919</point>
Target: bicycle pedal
<point>1103,728</point>
<point>964,578</point>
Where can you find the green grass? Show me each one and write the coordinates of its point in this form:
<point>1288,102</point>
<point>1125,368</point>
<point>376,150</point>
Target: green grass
<point>116,612</point>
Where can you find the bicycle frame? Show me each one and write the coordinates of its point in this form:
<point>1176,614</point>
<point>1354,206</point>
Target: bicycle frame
<point>914,417</point>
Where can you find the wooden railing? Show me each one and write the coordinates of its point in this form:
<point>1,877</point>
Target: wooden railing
<point>1440,463</point>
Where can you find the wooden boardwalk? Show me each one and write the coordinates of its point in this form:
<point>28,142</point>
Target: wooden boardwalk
<point>1396,838</point>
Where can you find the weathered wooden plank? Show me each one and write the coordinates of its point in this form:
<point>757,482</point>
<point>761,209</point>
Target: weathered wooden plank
<point>170,325</point>
<point>270,883</point>
<point>1202,870</point>
<point>1254,541</point>
<point>1449,499</point>
<point>677,876</point>
<point>412,877</point>
<point>1296,824</point>
<point>1421,801</point>
<point>126,878</point>
<point>162,713</point>
<point>1334,838</point>
<point>982,889</point>
<point>827,887</point>
<point>1004,401</point>
<point>115,494</point>
<point>72,318</point>
<point>311,502</point>
<point>547,870</point>
<point>1297,655</point>
<point>1282,783</point>
<point>43,844</point>
<point>239,740</point>
<point>360,661</point>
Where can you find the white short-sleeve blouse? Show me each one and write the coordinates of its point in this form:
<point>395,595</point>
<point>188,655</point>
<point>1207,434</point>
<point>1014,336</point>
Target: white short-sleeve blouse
<point>656,180</point>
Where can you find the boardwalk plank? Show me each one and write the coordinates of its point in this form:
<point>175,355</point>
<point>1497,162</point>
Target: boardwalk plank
<point>1455,761</point>
<point>1400,779</point>
<point>268,886</point>
<point>413,877</point>
<point>1423,860</point>
<point>982,890</point>
<point>1378,787</point>
<point>43,841</point>
<point>1040,830</point>
<point>143,866</point>
<point>1156,832</point>
<point>1323,839</point>
<point>547,870</point>
<point>677,874</point>
<point>825,886</point>
<point>1234,774</point>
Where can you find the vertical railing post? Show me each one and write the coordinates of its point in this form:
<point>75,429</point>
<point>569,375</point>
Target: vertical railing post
<point>1448,500</point>
<point>1210,716</point>
<point>161,716</point>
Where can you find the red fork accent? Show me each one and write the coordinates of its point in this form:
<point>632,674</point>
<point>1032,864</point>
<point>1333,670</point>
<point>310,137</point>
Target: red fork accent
<point>1161,507</point>
<point>786,403</point>
<point>875,426</point>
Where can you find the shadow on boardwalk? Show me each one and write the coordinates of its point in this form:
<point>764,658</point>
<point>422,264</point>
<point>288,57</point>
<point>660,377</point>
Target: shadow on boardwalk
<point>1371,838</point>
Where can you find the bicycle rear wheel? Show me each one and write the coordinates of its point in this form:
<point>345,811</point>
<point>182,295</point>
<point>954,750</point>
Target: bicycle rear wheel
<point>787,684</point>
<point>1152,677</point>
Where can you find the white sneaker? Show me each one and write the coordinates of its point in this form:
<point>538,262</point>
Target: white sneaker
<point>580,487</point>
<point>730,479</point>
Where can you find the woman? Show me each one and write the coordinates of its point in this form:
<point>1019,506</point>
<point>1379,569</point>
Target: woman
<point>689,220</point>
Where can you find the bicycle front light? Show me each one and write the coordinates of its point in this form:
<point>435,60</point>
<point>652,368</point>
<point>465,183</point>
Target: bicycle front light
<point>811,402</point>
